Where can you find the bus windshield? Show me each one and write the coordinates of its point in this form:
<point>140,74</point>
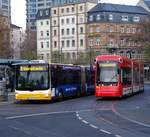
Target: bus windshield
<point>31,77</point>
<point>107,73</point>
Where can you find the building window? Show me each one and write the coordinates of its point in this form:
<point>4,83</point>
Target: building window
<point>97,41</point>
<point>47,32</point>
<point>41,33</point>
<point>110,42</point>
<point>122,30</point>
<point>47,22</point>
<point>47,44</point>
<point>73,31</point>
<point>97,29</point>
<point>62,10</point>
<point>54,12</point>
<point>54,22</point>
<point>62,21</point>
<point>110,17</point>
<point>81,8</point>
<point>133,30</point>
<point>91,18</point>
<point>73,55</point>
<point>47,55</point>
<point>68,43</point>
<point>122,42</point>
<point>73,20</point>
<point>41,13</point>
<point>136,19</point>
<point>55,44</point>
<point>67,10</point>
<point>81,42</point>
<point>55,32</point>
<point>110,29</point>
<point>91,30</point>
<point>73,9</point>
<point>68,55</point>
<point>128,30</point>
<point>73,43</point>
<point>67,20</point>
<point>41,23</point>
<point>81,20</point>
<point>98,17</point>
<point>42,56</point>
<point>62,43</point>
<point>124,18</point>
<point>68,32</point>
<point>47,12</point>
<point>42,45</point>
<point>81,30</point>
<point>62,32</point>
<point>90,42</point>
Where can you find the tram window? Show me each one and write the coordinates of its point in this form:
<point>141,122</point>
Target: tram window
<point>126,76</point>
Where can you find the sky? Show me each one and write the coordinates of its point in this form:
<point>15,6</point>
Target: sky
<point>18,10</point>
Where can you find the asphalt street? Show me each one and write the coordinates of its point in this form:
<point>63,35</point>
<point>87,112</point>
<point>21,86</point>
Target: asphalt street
<point>79,117</point>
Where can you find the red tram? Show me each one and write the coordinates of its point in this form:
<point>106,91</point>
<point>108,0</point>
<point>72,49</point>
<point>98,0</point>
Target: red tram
<point>118,76</point>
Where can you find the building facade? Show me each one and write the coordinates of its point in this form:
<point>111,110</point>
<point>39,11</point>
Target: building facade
<point>115,28</point>
<point>5,8</point>
<point>32,7</point>
<point>43,34</point>
<point>17,37</point>
<point>69,34</point>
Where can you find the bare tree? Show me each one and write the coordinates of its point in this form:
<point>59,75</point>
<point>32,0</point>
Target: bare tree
<point>29,49</point>
<point>5,49</point>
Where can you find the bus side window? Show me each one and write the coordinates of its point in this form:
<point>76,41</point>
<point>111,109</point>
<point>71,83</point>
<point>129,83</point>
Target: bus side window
<point>122,76</point>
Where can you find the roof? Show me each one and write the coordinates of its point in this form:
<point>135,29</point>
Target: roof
<point>106,7</point>
<point>147,2</point>
<point>70,2</point>
<point>14,26</point>
<point>43,14</point>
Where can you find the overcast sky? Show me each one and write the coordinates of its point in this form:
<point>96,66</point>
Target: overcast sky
<point>18,9</point>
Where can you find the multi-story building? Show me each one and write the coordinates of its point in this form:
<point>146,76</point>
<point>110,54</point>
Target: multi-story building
<point>115,27</point>
<point>69,29</point>
<point>32,7</point>
<point>43,34</point>
<point>5,8</point>
<point>16,40</point>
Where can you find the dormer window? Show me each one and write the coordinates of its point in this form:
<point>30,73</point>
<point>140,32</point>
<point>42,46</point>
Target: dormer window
<point>91,18</point>
<point>98,17</point>
<point>136,19</point>
<point>47,12</point>
<point>124,18</point>
<point>110,17</point>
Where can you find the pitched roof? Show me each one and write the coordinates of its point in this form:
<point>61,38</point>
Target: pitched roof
<point>147,2</point>
<point>43,14</point>
<point>106,7</point>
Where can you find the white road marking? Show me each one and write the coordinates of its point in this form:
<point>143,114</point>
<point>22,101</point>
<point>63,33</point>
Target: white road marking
<point>77,115</point>
<point>118,136</point>
<point>79,118</point>
<point>104,131</point>
<point>48,113</point>
<point>131,120</point>
<point>85,122</point>
<point>39,114</point>
<point>93,126</point>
